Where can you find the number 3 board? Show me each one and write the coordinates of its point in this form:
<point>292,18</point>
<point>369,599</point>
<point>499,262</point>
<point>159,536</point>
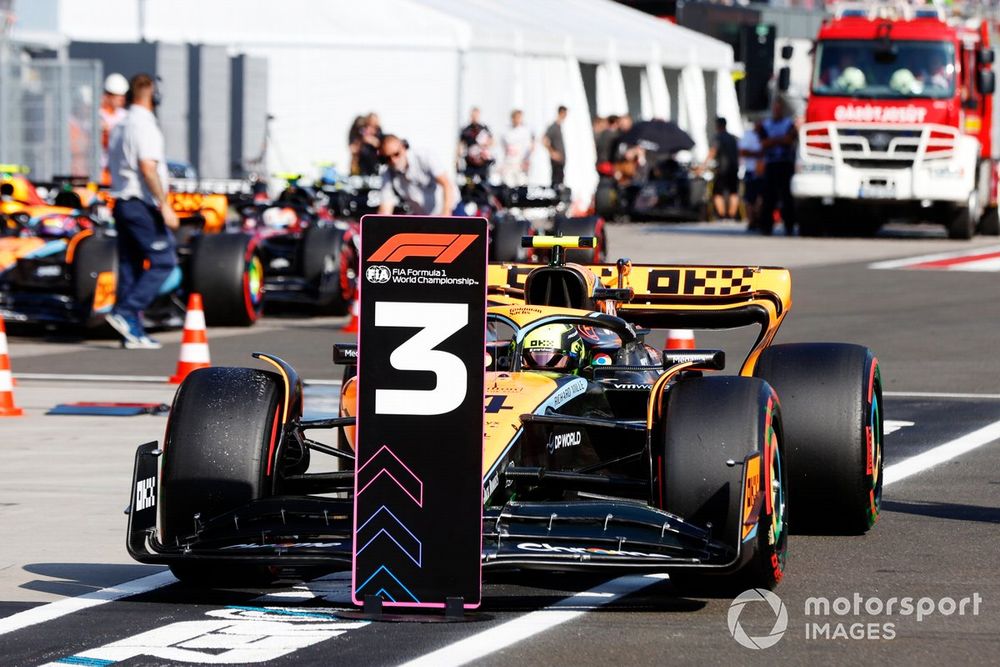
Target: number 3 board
<point>418,485</point>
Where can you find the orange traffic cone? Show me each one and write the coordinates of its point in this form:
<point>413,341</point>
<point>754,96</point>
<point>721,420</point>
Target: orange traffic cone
<point>352,324</point>
<point>680,339</point>
<point>7,407</point>
<point>194,344</point>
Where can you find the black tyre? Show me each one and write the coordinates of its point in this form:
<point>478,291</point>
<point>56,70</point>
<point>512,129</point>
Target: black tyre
<point>711,421</point>
<point>505,240</point>
<point>831,401</point>
<point>962,225</point>
<point>591,225</point>
<point>989,224</point>
<point>320,259</point>
<point>222,430</point>
<point>606,202</point>
<point>226,270</point>
<point>94,255</point>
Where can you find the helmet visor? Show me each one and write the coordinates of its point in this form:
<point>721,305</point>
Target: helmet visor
<point>545,358</point>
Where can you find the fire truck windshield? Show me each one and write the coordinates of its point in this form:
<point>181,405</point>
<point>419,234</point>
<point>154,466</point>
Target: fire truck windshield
<point>872,69</point>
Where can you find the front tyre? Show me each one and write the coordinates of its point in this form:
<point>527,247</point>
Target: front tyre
<point>217,457</point>
<point>831,401</point>
<point>226,270</point>
<point>718,430</point>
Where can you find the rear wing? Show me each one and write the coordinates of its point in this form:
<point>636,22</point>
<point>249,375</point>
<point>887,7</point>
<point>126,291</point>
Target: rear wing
<point>661,296</point>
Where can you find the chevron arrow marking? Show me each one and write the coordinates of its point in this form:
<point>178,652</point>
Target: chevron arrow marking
<point>383,568</point>
<point>418,498</point>
<point>382,531</point>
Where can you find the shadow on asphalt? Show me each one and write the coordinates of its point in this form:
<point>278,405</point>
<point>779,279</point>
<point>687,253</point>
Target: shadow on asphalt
<point>954,511</point>
<point>73,579</point>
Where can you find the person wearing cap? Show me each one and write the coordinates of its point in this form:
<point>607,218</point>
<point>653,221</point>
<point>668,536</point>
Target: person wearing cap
<point>112,112</point>
<point>143,215</point>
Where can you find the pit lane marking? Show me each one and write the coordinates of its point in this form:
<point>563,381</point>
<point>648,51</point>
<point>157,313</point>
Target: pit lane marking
<point>937,394</point>
<point>54,610</point>
<point>940,454</point>
<point>506,634</point>
<point>982,258</point>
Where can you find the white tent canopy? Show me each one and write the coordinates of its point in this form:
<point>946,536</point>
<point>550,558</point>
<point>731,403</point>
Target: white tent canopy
<point>421,64</point>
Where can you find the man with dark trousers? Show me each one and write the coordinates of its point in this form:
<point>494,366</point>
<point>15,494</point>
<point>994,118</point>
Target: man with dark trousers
<point>143,216</point>
<point>780,138</point>
<point>554,144</point>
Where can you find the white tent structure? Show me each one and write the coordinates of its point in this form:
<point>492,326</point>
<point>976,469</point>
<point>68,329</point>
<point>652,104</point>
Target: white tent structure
<point>421,64</point>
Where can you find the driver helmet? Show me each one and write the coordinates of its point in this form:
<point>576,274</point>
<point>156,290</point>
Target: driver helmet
<point>851,79</point>
<point>556,347</point>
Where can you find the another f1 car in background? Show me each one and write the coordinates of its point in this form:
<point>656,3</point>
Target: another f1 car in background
<point>516,212</point>
<point>308,256</point>
<point>59,265</point>
<point>654,179</point>
<point>600,451</point>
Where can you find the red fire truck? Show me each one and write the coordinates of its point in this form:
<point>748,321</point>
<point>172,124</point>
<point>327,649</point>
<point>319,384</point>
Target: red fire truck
<point>898,123</point>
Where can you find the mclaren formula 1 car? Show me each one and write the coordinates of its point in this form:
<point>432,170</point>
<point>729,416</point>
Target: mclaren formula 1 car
<point>600,451</point>
<point>59,265</point>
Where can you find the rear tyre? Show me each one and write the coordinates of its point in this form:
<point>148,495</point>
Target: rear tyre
<point>223,428</point>
<point>226,270</point>
<point>694,481</point>
<point>320,257</point>
<point>811,218</point>
<point>94,255</point>
<point>606,199</point>
<point>505,241</point>
<point>962,225</point>
<point>989,224</point>
<point>831,400</point>
<point>591,225</point>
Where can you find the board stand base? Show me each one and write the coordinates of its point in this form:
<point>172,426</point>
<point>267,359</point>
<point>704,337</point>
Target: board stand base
<point>453,612</point>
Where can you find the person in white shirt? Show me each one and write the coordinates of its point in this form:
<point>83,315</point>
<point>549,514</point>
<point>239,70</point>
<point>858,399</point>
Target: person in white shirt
<point>143,215</point>
<point>412,180</point>
<point>517,144</point>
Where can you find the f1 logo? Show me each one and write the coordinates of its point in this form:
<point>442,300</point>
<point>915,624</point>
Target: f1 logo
<point>444,248</point>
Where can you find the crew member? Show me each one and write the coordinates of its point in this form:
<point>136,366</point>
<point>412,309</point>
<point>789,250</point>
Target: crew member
<point>412,181</point>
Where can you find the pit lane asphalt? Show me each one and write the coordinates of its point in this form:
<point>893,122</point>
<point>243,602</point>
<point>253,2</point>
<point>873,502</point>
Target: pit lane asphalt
<point>60,497</point>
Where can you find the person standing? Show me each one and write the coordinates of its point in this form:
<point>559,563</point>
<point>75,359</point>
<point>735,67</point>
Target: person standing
<point>412,181</point>
<point>143,216</point>
<point>725,152</point>
<point>474,144</point>
<point>554,144</point>
<point>112,112</point>
<point>517,143</point>
<point>778,144</point>
<point>753,171</point>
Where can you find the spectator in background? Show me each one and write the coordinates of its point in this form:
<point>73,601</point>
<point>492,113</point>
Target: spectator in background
<point>475,142</point>
<point>143,215</point>
<point>606,141</point>
<point>517,144</point>
<point>752,153</point>
<point>725,152</point>
<point>412,181</point>
<point>112,112</point>
<point>554,144</point>
<point>365,139</point>
<point>778,144</point>
<point>620,150</point>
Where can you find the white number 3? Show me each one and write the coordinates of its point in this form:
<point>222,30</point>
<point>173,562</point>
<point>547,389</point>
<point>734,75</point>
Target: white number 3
<point>437,322</point>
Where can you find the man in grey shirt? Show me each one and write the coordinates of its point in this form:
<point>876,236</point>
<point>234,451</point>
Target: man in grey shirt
<point>412,181</point>
<point>553,142</point>
<point>143,216</point>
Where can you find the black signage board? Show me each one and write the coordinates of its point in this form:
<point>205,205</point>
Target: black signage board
<point>418,482</point>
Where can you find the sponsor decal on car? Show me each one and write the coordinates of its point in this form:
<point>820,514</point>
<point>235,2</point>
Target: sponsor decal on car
<point>632,386</point>
<point>286,545</point>
<point>145,493</point>
<point>543,547</point>
<point>570,391</point>
<point>563,440</point>
<point>751,497</point>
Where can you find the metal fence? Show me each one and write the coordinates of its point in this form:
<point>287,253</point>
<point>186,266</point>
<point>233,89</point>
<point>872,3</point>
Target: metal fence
<point>49,117</point>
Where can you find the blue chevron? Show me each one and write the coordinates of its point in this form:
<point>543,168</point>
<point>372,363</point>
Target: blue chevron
<point>384,592</point>
<point>394,578</point>
<point>420,547</point>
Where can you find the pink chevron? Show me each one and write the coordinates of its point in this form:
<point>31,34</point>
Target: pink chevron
<point>385,471</point>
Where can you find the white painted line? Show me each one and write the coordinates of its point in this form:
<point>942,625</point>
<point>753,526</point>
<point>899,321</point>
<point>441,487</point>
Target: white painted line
<point>893,425</point>
<point>53,610</point>
<point>65,377</point>
<point>68,377</point>
<point>941,453</point>
<point>936,394</point>
<point>489,641</point>
<point>920,259</point>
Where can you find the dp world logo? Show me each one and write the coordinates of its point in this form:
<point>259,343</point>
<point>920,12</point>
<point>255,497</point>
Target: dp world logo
<point>377,274</point>
<point>756,596</point>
